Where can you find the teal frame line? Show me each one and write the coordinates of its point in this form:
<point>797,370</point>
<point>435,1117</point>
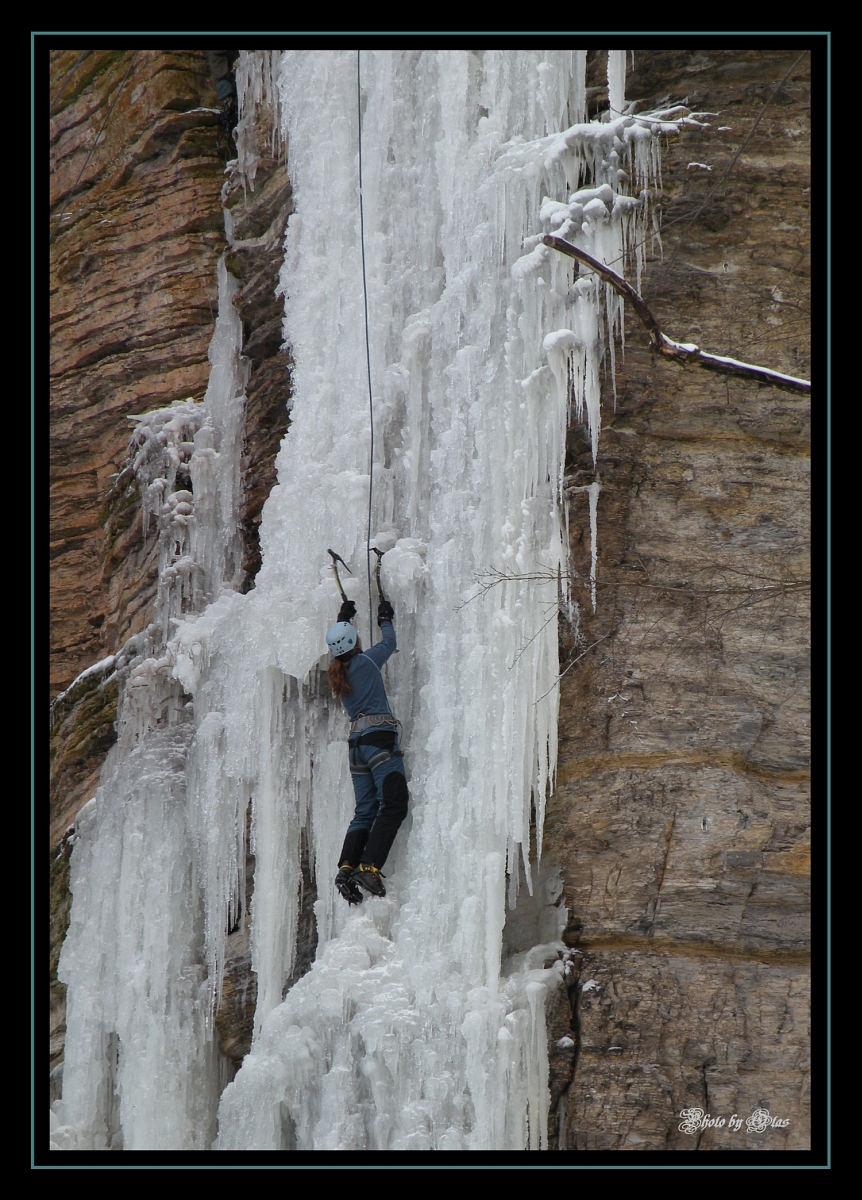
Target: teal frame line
<point>32,587</point>
<point>828,380</point>
<point>828,765</point>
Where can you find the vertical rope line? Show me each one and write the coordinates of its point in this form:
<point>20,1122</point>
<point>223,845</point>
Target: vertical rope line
<point>367,346</point>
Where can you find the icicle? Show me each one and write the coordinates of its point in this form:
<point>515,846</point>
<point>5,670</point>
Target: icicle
<point>141,1072</point>
<point>257,94</point>
<point>616,81</point>
<point>593,491</point>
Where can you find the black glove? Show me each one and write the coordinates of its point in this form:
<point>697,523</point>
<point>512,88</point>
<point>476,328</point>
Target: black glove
<point>347,611</point>
<point>385,611</point>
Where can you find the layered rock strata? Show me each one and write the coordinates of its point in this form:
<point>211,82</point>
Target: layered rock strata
<point>681,818</point>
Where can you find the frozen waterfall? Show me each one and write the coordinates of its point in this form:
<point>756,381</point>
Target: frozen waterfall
<point>411,1031</point>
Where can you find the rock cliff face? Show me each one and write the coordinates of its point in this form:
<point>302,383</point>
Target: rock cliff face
<point>136,230</point>
<point>680,821</point>
<point>135,233</point>
<point>681,818</point>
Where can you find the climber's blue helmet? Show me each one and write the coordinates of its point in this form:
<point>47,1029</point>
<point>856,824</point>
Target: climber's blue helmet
<point>341,638</point>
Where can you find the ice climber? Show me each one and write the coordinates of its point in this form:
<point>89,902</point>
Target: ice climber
<point>376,762</point>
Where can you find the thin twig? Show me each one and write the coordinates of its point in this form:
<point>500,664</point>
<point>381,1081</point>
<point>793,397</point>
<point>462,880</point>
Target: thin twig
<point>780,585</point>
<point>571,664</point>
<point>717,591</point>
<point>526,645</point>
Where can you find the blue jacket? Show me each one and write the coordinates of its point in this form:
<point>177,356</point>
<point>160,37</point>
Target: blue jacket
<point>367,694</point>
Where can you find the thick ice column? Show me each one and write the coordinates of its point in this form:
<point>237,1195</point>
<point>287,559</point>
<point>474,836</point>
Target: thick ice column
<point>141,1071</point>
<point>216,545</point>
<point>405,1007</point>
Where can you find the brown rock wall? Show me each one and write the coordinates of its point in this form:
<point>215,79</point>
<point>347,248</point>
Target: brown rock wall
<point>670,1028</point>
<point>681,818</point>
<point>136,230</point>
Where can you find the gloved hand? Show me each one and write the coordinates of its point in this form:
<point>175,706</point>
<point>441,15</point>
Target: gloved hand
<point>385,611</point>
<point>347,611</point>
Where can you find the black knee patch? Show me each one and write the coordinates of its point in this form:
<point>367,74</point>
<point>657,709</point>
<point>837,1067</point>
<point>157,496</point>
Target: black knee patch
<point>395,794</point>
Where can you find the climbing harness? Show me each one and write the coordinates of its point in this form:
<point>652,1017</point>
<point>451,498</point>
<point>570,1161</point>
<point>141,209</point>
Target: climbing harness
<point>372,721</point>
<point>336,559</point>
<point>360,768</point>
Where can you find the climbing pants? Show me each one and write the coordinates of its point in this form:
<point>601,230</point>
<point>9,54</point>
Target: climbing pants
<point>380,789</point>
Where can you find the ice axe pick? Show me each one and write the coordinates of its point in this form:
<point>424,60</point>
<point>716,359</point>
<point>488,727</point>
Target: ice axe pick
<point>336,559</point>
<point>379,554</point>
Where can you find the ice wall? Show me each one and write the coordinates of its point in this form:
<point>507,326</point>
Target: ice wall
<point>141,1069</point>
<point>405,1034</point>
<point>411,1030</point>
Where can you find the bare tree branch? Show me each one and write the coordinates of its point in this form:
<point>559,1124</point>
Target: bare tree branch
<point>684,353</point>
<point>486,580</point>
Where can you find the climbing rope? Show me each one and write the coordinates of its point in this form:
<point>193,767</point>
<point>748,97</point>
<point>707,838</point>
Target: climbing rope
<point>367,346</point>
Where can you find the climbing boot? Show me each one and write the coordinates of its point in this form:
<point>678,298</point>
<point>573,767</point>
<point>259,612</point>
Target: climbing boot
<point>369,878</point>
<point>345,886</point>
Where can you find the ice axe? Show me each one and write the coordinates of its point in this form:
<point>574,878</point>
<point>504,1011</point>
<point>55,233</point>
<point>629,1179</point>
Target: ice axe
<point>336,558</point>
<point>379,554</point>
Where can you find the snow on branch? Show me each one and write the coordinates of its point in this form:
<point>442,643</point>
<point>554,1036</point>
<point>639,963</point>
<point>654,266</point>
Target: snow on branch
<point>685,353</point>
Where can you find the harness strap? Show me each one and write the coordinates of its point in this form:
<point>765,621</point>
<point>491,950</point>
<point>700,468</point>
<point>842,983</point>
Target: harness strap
<point>371,721</point>
<point>377,761</point>
<point>382,757</point>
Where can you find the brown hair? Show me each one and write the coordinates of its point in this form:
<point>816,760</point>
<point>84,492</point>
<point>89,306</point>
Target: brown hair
<point>338,675</point>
